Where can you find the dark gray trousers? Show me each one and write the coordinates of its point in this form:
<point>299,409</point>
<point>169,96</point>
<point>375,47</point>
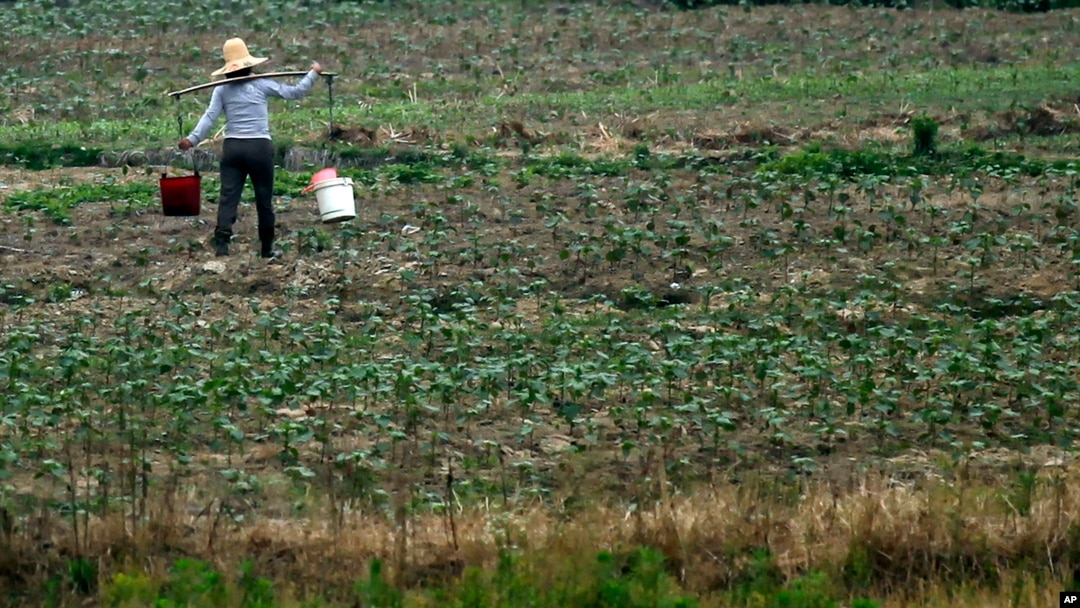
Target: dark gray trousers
<point>240,159</point>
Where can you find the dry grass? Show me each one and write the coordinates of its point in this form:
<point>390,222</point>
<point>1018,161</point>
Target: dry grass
<point>935,543</point>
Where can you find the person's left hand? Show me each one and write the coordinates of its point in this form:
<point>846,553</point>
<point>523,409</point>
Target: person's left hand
<point>185,144</point>
<point>315,66</point>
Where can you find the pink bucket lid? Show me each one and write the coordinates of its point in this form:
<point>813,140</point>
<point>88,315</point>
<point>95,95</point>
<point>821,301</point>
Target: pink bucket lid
<point>320,176</point>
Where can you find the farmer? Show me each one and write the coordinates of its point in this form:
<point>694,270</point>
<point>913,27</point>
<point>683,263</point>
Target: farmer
<point>247,150</point>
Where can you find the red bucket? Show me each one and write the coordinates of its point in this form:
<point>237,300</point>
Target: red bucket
<point>181,196</point>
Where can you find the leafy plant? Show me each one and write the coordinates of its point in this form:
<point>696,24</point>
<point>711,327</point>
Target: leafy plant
<point>924,130</point>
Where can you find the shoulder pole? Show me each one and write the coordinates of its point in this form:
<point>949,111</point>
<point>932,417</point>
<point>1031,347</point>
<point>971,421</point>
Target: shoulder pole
<point>216,83</point>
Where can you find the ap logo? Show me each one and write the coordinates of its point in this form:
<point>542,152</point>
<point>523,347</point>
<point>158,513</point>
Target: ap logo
<point>1069,598</point>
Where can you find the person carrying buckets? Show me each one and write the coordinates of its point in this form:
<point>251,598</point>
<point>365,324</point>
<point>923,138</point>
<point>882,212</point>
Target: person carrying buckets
<point>248,150</point>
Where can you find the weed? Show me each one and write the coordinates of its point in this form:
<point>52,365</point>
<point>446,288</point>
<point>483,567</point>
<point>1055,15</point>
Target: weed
<point>376,591</point>
<point>924,131</point>
<point>58,203</point>
<point>38,156</point>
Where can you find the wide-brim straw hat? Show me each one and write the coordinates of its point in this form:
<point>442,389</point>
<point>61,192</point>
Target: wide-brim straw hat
<point>237,57</point>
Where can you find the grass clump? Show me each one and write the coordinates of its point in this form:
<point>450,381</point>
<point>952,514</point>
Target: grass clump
<point>817,161</point>
<point>924,130</point>
<point>569,164</point>
<point>39,155</point>
<point>190,582</point>
<point>846,164</point>
<point>762,584</point>
<point>635,580</point>
<point>57,203</point>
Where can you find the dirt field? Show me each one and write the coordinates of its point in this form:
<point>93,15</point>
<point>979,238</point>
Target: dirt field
<point>617,279</point>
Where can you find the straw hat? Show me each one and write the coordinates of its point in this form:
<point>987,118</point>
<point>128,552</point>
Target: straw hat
<point>237,57</point>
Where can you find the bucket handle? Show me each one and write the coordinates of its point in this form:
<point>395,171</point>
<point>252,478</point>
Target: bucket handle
<point>191,152</point>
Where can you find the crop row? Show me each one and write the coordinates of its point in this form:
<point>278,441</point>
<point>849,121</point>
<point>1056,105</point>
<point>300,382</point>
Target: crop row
<point>339,399</point>
<point>656,222</point>
<point>431,65</point>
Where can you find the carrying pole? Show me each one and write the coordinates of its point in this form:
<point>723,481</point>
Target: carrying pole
<point>217,83</point>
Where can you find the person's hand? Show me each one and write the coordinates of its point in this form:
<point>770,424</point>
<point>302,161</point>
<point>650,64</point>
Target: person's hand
<point>185,144</point>
<point>315,66</point>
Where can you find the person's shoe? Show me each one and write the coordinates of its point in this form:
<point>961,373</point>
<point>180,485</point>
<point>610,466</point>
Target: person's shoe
<point>220,240</point>
<point>266,243</point>
<point>220,245</point>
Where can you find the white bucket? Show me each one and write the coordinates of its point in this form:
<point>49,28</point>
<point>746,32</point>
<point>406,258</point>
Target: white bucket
<point>335,198</point>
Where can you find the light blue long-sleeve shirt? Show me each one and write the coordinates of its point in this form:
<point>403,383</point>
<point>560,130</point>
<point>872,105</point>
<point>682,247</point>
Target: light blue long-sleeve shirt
<point>245,106</point>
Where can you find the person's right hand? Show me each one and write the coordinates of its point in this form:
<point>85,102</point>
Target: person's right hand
<point>185,144</point>
<point>315,66</point>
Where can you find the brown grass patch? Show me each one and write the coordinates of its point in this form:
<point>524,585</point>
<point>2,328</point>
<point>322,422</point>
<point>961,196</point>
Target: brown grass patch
<point>1046,120</point>
<point>356,135</point>
<point>881,537</point>
<point>747,134</point>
